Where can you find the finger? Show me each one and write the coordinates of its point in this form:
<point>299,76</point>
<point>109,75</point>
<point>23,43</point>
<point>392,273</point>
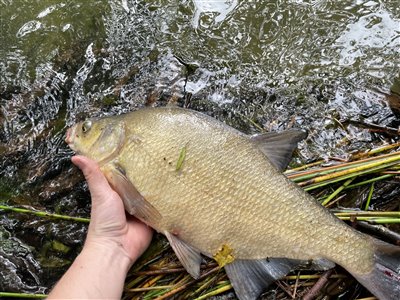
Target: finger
<point>98,184</point>
<point>142,233</point>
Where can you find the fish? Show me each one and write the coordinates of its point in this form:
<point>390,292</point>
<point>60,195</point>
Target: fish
<point>215,191</point>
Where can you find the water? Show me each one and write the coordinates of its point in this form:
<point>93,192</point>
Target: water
<point>257,65</point>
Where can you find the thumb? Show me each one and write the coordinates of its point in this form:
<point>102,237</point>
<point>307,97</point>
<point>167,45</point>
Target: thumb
<point>97,182</point>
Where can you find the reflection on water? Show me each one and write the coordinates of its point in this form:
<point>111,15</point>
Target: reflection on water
<point>375,30</point>
<point>220,8</point>
<point>257,65</point>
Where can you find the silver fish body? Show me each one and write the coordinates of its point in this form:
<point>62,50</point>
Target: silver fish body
<point>213,190</point>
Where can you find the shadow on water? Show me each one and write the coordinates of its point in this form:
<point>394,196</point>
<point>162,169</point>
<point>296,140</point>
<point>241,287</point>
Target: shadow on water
<point>326,67</point>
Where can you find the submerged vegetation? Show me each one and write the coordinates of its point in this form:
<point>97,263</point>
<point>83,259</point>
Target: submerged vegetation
<point>356,183</point>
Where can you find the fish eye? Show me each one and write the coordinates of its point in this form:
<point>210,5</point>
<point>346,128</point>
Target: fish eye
<point>86,126</point>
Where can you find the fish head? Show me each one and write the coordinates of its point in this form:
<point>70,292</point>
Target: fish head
<point>98,139</point>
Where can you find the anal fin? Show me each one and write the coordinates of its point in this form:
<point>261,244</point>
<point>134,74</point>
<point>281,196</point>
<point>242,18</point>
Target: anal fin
<point>189,257</point>
<point>250,278</point>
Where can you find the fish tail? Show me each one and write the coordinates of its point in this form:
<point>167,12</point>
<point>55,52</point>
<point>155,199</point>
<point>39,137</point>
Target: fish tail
<point>384,279</point>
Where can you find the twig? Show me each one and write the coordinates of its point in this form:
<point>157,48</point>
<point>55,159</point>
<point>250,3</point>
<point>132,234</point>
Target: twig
<point>326,170</point>
<point>371,191</point>
<point>160,272</point>
<point>358,156</point>
<point>317,163</point>
<point>149,288</point>
<point>310,277</point>
<point>370,181</point>
<point>344,213</point>
<point>352,172</point>
<point>313,292</point>
<point>208,283</point>
<point>284,287</point>
<point>185,285</point>
<point>221,289</point>
<point>334,194</point>
<point>336,200</point>
<point>382,231</point>
<point>295,286</point>
<point>375,127</point>
<point>372,220</point>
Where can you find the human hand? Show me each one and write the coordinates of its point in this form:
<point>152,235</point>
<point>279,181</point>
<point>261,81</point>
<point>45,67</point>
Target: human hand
<point>109,226</point>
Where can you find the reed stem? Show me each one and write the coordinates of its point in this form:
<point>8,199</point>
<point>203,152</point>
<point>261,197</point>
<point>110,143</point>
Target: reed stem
<point>22,295</point>
<point>43,214</point>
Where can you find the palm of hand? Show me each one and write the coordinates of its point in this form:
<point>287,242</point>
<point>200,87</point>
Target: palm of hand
<point>109,222</point>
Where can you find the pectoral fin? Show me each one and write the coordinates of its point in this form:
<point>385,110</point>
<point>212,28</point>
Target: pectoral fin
<point>189,257</point>
<point>279,147</point>
<point>135,204</point>
<point>250,278</point>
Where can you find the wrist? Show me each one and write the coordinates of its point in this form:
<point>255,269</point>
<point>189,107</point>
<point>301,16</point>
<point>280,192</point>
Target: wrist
<point>110,251</point>
<point>98,272</point>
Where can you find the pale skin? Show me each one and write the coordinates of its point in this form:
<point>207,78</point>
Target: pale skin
<point>114,242</point>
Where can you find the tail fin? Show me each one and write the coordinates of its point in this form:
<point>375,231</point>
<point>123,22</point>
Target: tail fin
<point>384,280</point>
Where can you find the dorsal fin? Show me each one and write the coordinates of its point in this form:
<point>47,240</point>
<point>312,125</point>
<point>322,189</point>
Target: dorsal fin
<point>279,146</point>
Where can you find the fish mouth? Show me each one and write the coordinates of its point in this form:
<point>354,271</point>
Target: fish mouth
<point>69,138</point>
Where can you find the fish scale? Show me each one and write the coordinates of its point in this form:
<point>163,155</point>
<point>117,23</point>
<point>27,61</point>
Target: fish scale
<point>226,199</point>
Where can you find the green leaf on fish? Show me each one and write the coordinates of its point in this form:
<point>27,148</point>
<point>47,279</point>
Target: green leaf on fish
<point>181,158</point>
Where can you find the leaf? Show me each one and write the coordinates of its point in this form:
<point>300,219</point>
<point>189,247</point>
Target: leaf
<point>181,158</point>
